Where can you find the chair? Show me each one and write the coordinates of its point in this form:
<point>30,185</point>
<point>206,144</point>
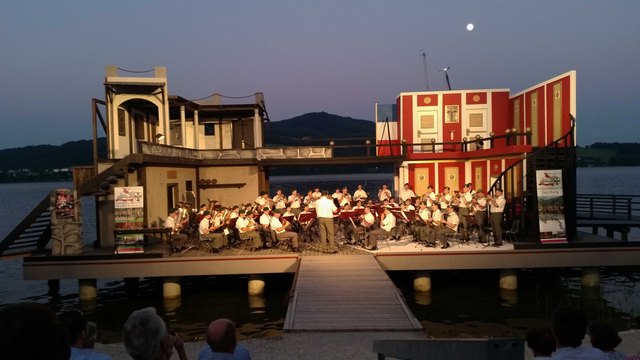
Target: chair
<point>512,234</point>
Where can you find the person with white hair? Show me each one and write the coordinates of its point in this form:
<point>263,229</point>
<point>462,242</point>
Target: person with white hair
<point>145,337</point>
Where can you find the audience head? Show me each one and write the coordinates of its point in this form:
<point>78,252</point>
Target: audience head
<point>145,335</point>
<point>31,331</point>
<point>541,341</point>
<point>221,336</point>
<point>91,335</point>
<point>569,326</point>
<point>604,337</point>
<point>75,325</point>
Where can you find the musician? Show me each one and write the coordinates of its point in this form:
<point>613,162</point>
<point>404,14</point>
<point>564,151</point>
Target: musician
<point>429,196</point>
<point>480,213</point>
<point>496,208</point>
<point>346,197</point>
<point>465,211</point>
<point>263,200</point>
<point>310,199</point>
<point>435,223</point>
<point>279,200</point>
<point>325,208</point>
<point>360,194</point>
<point>175,227</point>
<point>337,197</point>
<point>408,206</point>
<point>316,193</point>
<point>247,229</point>
<point>207,230</point>
<point>265,223</point>
<point>288,212</point>
<point>200,214</point>
<point>406,193</point>
<point>446,198</point>
<point>235,212</point>
<point>387,225</point>
<point>280,228</point>
<point>451,227</point>
<point>295,202</point>
<point>358,206</point>
<point>422,228</point>
<point>384,193</point>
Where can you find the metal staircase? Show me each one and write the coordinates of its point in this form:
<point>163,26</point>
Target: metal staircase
<point>32,234</point>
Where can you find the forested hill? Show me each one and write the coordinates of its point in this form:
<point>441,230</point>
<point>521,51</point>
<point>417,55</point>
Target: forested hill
<point>51,163</point>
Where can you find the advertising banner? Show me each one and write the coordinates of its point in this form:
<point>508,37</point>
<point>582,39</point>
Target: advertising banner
<point>129,214</point>
<point>551,207</point>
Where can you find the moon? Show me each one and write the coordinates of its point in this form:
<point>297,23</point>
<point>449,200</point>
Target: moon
<point>470,27</point>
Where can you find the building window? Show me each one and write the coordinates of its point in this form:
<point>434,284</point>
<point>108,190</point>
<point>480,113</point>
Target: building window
<point>122,125</point>
<point>209,129</point>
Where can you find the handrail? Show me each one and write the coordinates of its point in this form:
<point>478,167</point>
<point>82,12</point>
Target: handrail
<point>25,224</point>
<point>598,206</point>
<point>567,138</point>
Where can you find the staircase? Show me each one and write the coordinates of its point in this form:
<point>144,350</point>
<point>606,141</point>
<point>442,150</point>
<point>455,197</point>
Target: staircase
<point>32,234</point>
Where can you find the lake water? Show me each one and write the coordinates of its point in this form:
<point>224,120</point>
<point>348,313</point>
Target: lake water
<point>462,303</point>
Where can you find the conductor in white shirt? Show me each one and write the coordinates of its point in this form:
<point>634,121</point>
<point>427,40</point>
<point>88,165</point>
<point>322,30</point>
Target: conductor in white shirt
<point>325,208</point>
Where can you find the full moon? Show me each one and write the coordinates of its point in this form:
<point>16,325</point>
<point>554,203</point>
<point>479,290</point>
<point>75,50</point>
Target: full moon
<point>469,27</point>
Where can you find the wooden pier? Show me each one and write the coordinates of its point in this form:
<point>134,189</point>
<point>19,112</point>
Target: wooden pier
<point>346,293</point>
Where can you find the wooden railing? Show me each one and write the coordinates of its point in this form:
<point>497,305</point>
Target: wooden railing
<point>32,233</point>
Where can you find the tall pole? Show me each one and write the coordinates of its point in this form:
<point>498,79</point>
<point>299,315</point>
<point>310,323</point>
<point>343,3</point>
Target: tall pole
<point>426,73</point>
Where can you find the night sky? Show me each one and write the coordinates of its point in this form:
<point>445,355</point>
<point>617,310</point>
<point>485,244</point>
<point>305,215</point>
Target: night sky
<point>334,56</point>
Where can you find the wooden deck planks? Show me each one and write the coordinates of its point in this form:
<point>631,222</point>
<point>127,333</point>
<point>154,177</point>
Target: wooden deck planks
<point>346,293</point>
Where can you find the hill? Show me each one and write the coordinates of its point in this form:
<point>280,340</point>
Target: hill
<point>315,126</point>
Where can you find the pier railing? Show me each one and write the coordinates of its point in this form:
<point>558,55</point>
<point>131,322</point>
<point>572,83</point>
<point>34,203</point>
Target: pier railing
<point>607,207</point>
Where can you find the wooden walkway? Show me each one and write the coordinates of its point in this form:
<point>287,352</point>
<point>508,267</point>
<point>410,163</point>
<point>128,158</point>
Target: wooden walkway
<point>346,293</point>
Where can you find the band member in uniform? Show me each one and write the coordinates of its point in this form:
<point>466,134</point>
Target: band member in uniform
<point>436,223</point>
<point>445,198</point>
<point>451,227</point>
<point>465,202</point>
<point>265,223</point>
<point>207,230</point>
<point>280,229</point>
<point>247,229</point>
<point>310,200</point>
<point>429,196</point>
<point>279,200</point>
<point>480,213</point>
<point>422,227</point>
<point>325,208</point>
<point>295,202</point>
<point>263,200</point>
<point>360,194</point>
<point>496,208</point>
<point>172,223</point>
<point>406,193</point>
<point>384,193</point>
<point>388,223</point>
<point>346,197</point>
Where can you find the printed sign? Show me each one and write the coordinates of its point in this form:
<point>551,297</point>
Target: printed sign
<point>129,214</point>
<point>551,207</point>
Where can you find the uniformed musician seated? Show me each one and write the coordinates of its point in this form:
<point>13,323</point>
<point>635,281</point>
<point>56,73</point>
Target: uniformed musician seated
<point>248,229</point>
<point>207,230</point>
<point>388,224</point>
<point>175,226</point>
<point>280,228</point>
<point>450,227</point>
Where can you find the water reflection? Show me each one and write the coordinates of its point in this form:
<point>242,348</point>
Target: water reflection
<point>509,297</point>
<point>422,297</point>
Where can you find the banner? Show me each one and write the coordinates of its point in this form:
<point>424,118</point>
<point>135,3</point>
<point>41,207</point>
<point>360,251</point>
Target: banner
<point>551,207</point>
<point>129,214</point>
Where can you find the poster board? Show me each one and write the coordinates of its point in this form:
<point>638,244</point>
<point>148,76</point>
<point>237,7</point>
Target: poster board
<point>129,214</point>
<point>551,207</point>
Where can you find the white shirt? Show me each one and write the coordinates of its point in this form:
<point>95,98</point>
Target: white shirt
<point>454,220</point>
<point>465,199</point>
<point>389,222</point>
<point>369,219</point>
<point>445,201</point>
<point>481,205</point>
<point>581,352</point>
<point>436,216</point>
<point>406,194</point>
<point>424,214</point>
<point>325,208</point>
<point>276,224</point>
<point>359,195</point>
<point>242,223</point>
<point>384,194</point>
<point>170,223</point>
<point>500,208</point>
<point>203,227</point>
<point>294,200</point>
<point>265,219</point>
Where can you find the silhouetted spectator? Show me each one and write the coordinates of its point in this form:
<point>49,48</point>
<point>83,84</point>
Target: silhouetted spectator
<point>541,342</point>
<point>219,332</point>
<point>31,331</point>
<point>569,328</point>
<point>145,337</point>
<point>75,325</point>
<point>604,337</point>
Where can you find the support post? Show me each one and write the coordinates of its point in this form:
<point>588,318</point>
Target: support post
<point>88,289</point>
<point>256,285</point>
<point>591,277</point>
<point>54,286</point>
<point>171,287</point>
<point>422,281</point>
<point>508,279</point>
